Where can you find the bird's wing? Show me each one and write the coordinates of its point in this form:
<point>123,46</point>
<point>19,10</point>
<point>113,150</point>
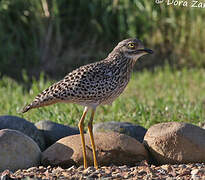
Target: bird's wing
<point>87,83</point>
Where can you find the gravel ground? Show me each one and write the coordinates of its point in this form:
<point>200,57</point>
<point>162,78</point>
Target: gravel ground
<point>140,171</point>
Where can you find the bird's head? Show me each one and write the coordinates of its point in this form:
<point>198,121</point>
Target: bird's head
<point>131,48</point>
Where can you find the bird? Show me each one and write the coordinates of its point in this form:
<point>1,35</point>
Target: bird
<point>94,84</point>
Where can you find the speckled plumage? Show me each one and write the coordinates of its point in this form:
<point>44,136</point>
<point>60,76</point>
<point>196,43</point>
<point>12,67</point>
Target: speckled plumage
<point>93,84</point>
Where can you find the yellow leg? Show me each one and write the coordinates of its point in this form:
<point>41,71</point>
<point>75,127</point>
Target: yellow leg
<point>81,128</point>
<point>90,130</point>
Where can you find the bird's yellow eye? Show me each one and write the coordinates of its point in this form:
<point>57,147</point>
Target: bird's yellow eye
<point>131,45</point>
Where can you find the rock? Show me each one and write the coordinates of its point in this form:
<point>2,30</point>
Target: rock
<point>203,125</point>
<point>17,151</point>
<point>111,148</point>
<point>127,128</point>
<point>53,131</point>
<point>24,126</point>
<point>175,142</point>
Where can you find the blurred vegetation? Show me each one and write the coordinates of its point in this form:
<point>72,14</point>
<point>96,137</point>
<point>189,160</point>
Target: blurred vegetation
<point>56,36</point>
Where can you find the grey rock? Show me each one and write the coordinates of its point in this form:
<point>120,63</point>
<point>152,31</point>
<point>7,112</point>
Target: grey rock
<point>203,125</point>
<point>111,148</point>
<point>53,131</point>
<point>17,151</point>
<point>176,143</point>
<point>135,131</point>
<point>24,126</point>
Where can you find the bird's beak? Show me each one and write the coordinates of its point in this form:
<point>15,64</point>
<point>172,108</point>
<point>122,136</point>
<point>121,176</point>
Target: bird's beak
<point>148,51</point>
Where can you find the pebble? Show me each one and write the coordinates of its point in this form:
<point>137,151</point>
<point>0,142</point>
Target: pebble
<point>195,171</point>
<point>140,171</point>
<point>71,168</point>
<point>81,168</point>
<point>182,166</point>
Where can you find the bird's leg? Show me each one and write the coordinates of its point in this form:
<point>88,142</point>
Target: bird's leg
<point>90,130</point>
<point>81,128</point>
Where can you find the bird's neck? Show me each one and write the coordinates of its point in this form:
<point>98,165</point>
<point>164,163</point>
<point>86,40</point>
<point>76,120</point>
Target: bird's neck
<point>121,60</point>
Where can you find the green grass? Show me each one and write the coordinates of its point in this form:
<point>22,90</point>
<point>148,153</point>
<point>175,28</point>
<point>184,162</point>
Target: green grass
<point>151,97</point>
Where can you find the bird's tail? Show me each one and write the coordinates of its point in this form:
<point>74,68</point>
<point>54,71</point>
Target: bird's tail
<point>28,107</point>
<point>43,99</point>
<point>39,103</point>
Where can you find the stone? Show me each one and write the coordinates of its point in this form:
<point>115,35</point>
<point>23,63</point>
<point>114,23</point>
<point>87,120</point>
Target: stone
<point>194,171</point>
<point>24,126</point>
<point>135,131</point>
<point>176,143</point>
<point>17,151</point>
<point>53,131</point>
<point>203,125</point>
<point>111,148</point>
